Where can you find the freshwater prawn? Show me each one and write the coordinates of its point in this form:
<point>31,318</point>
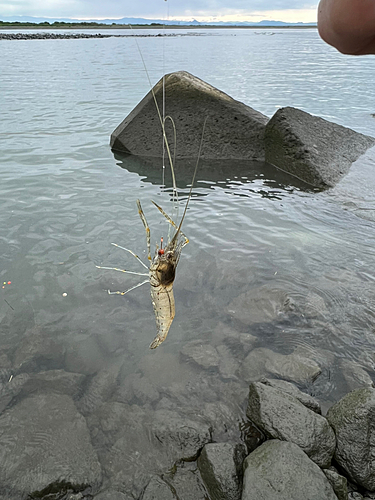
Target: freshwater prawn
<point>162,270</point>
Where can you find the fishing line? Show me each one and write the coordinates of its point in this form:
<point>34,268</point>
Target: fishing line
<point>163,171</point>
<point>163,118</point>
<point>174,193</point>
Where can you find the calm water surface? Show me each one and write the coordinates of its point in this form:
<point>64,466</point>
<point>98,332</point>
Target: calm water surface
<point>65,198</point>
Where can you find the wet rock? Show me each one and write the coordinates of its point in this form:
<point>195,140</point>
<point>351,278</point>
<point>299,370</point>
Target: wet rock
<point>281,416</point>
<point>251,435</point>
<point>38,351</point>
<point>122,440</point>
<point>279,470</point>
<point>261,305</point>
<point>313,149</point>
<point>228,364</point>
<point>352,419</point>
<point>100,389</point>
<point>112,495</point>
<point>289,388</point>
<point>11,389</point>
<point>315,306</point>
<point>59,455</point>
<point>220,465</point>
<point>84,356</point>
<point>58,381</point>
<point>224,419</point>
<point>338,483</point>
<point>204,355</point>
<point>181,436</point>
<point>355,376</point>
<point>157,489</point>
<point>5,366</point>
<point>233,130</point>
<point>290,367</point>
<point>186,482</point>
<point>137,388</point>
<point>239,343</point>
<point>134,444</point>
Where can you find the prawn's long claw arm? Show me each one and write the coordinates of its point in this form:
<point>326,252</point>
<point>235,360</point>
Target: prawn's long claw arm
<point>148,238</point>
<point>171,221</point>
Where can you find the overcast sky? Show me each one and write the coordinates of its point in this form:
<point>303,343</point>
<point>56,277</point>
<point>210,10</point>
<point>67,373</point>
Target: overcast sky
<point>202,10</point>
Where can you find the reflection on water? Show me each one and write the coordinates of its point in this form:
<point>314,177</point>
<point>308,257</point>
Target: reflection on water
<point>223,173</point>
<point>272,269</point>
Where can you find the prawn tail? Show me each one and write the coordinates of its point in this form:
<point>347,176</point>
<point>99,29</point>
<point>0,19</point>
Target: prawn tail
<point>164,309</point>
<point>157,341</point>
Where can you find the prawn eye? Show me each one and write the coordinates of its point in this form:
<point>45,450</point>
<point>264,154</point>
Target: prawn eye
<point>161,251</point>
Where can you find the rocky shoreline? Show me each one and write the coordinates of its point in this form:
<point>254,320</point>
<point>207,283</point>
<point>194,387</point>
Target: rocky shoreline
<point>116,434</point>
<point>67,36</point>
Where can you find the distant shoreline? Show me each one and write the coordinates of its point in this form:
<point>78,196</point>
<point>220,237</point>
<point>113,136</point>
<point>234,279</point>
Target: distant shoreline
<point>64,26</point>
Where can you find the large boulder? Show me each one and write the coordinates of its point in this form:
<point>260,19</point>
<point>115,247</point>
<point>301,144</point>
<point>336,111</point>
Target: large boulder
<point>281,416</point>
<point>46,449</point>
<point>313,149</point>
<point>220,465</point>
<point>353,420</point>
<point>279,470</point>
<point>233,130</point>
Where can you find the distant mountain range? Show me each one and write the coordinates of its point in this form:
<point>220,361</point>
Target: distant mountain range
<point>140,20</point>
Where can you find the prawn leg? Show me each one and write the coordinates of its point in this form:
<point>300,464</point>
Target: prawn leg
<point>121,270</point>
<point>130,251</point>
<point>129,290</point>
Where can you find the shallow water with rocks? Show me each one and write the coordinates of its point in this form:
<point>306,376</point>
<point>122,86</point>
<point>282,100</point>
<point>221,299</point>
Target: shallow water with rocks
<point>277,279</point>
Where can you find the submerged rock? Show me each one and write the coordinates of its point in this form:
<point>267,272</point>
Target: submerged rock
<point>220,465</point>
<point>233,130</point>
<point>352,419</point>
<point>101,387</point>
<point>135,445</point>
<point>157,489</point>
<point>356,377</point>
<point>46,448</point>
<point>204,355</point>
<point>279,470</point>
<point>315,150</point>
<point>112,495</point>
<point>260,305</point>
<point>186,482</point>
<point>36,351</point>
<point>292,367</point>
<point>280,415</point>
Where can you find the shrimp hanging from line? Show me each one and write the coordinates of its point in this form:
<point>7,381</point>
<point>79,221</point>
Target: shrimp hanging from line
<point>162,270</point>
